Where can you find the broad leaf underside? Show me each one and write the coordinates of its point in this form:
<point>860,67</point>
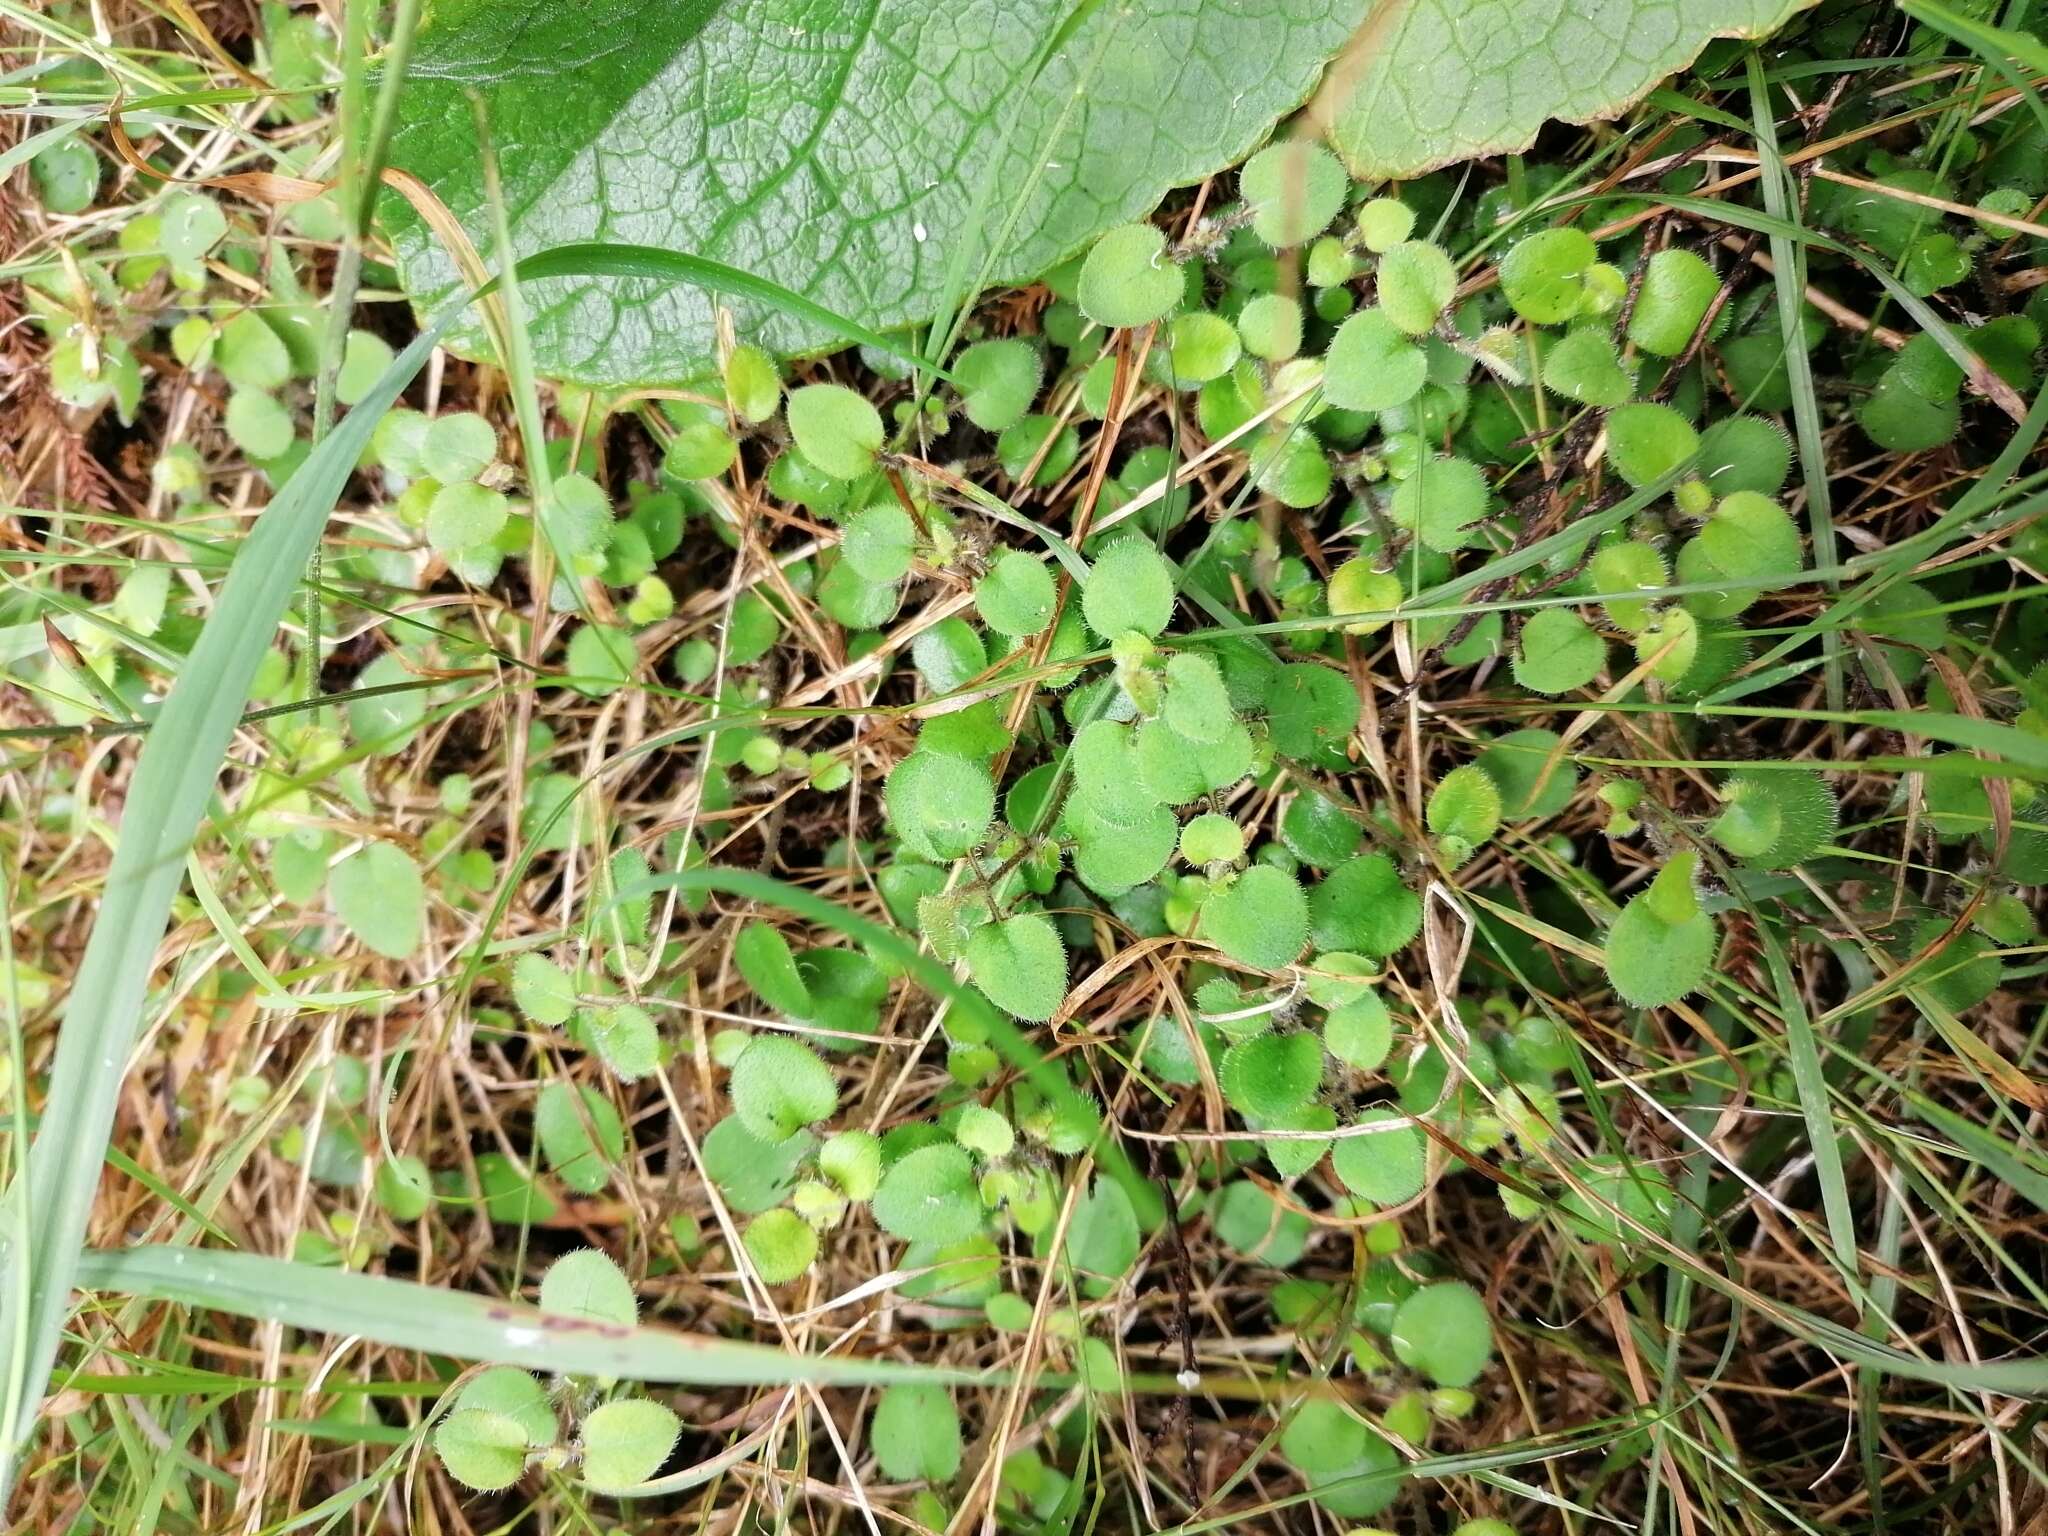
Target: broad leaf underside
<point>1427,82</point>
<point>837,147</point>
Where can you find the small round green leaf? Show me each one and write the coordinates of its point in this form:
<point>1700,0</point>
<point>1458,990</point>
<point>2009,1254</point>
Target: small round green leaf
<point>1465,805</point>
<point>1416,282</point>
<point>1386,1167</point>
<point>1129,279</point>
<point>1582,365</point>
<point>1251,1224</point>
<point>1363,905</point>
<point>1360,1031</point>
<point>1440,501</point>
<point>1357,586</point>
<point>260,426</point>
<point>1260,919</point>
<point>515,1393</point>
<point>880,541</point>
<point>1558,651</point>
<point>587,1284</point>
<point>364,357</point>
<point>1272,1075</point>
<point>1631,565</point>
<point>464,514</point>
<point>1444,1332</point>
<point>1020,965</point>
<point>940,805</point>
<point>1384,222</point>
<point>1319,831</point>
<point>1544,274</point>
<point>1677,287</point>
<point>1792,807</point>
<point>1372,364</point>
<point>1745,453</point>
<point>765,963</point>
<point>1646,442</point>
<point>1017,596</point>
<point>1270,326</point>
<point>581,1135</point>
<point>481,1450</point>
<point>779,1086</point>
<point>458,446</point>
<point>1200,346</point>
<point>930,1196</point>
<point>1295,188</point>
<point>1129,588</point>
<point>1197,705</point>
<point>1311,712</point>
<point>1535,776</point>
<point>750,1173</point>
<point>753,386</point>
<point>852,1160</point>
<point>625,1442</point>
<point>835,429</point>
<point>542,990</point>
<point>626,1040</point>
<point>998,380</point>
<point>1653,960</point>
<point>380,898</point>
<point>781,1245</point>
<point>1210,839</point>
<point>916,1434</point>
<point>600,659</point>
<point>250,355</point>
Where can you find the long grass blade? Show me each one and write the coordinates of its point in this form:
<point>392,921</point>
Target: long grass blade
<point>435,1320</point>
<point>1788,256</point>
<point>174,778</point>
<point>605,259</point>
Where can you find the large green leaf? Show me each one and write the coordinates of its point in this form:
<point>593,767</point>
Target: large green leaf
<point>1426,82</point>
<point>864,153</point>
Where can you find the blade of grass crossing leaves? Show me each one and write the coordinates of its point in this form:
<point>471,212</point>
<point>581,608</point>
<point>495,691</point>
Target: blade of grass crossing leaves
<point>20,154</point>
<point>173,781</point>
<point>518,347</point>
<point>1687,1224</point>
<point>1975,370</point>
<point>1812,1086</point>
<point>15,1206</point>
<point>601,259</point>
<point>1884,1293</point>
<point>1992,41</point>
<point>356,155</point>
<point>1789,258</point>
<point>1899,560</point>
<point>174,778</point>
<point>2020,1376</point>
<point>127,1167</point>
<point>431,1318</point>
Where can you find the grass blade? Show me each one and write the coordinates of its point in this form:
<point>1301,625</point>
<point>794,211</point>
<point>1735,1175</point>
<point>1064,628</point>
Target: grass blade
<point>607,259</point>
<point>174,779</point>
<point>463,1326</point>
<point>1788,257</point>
